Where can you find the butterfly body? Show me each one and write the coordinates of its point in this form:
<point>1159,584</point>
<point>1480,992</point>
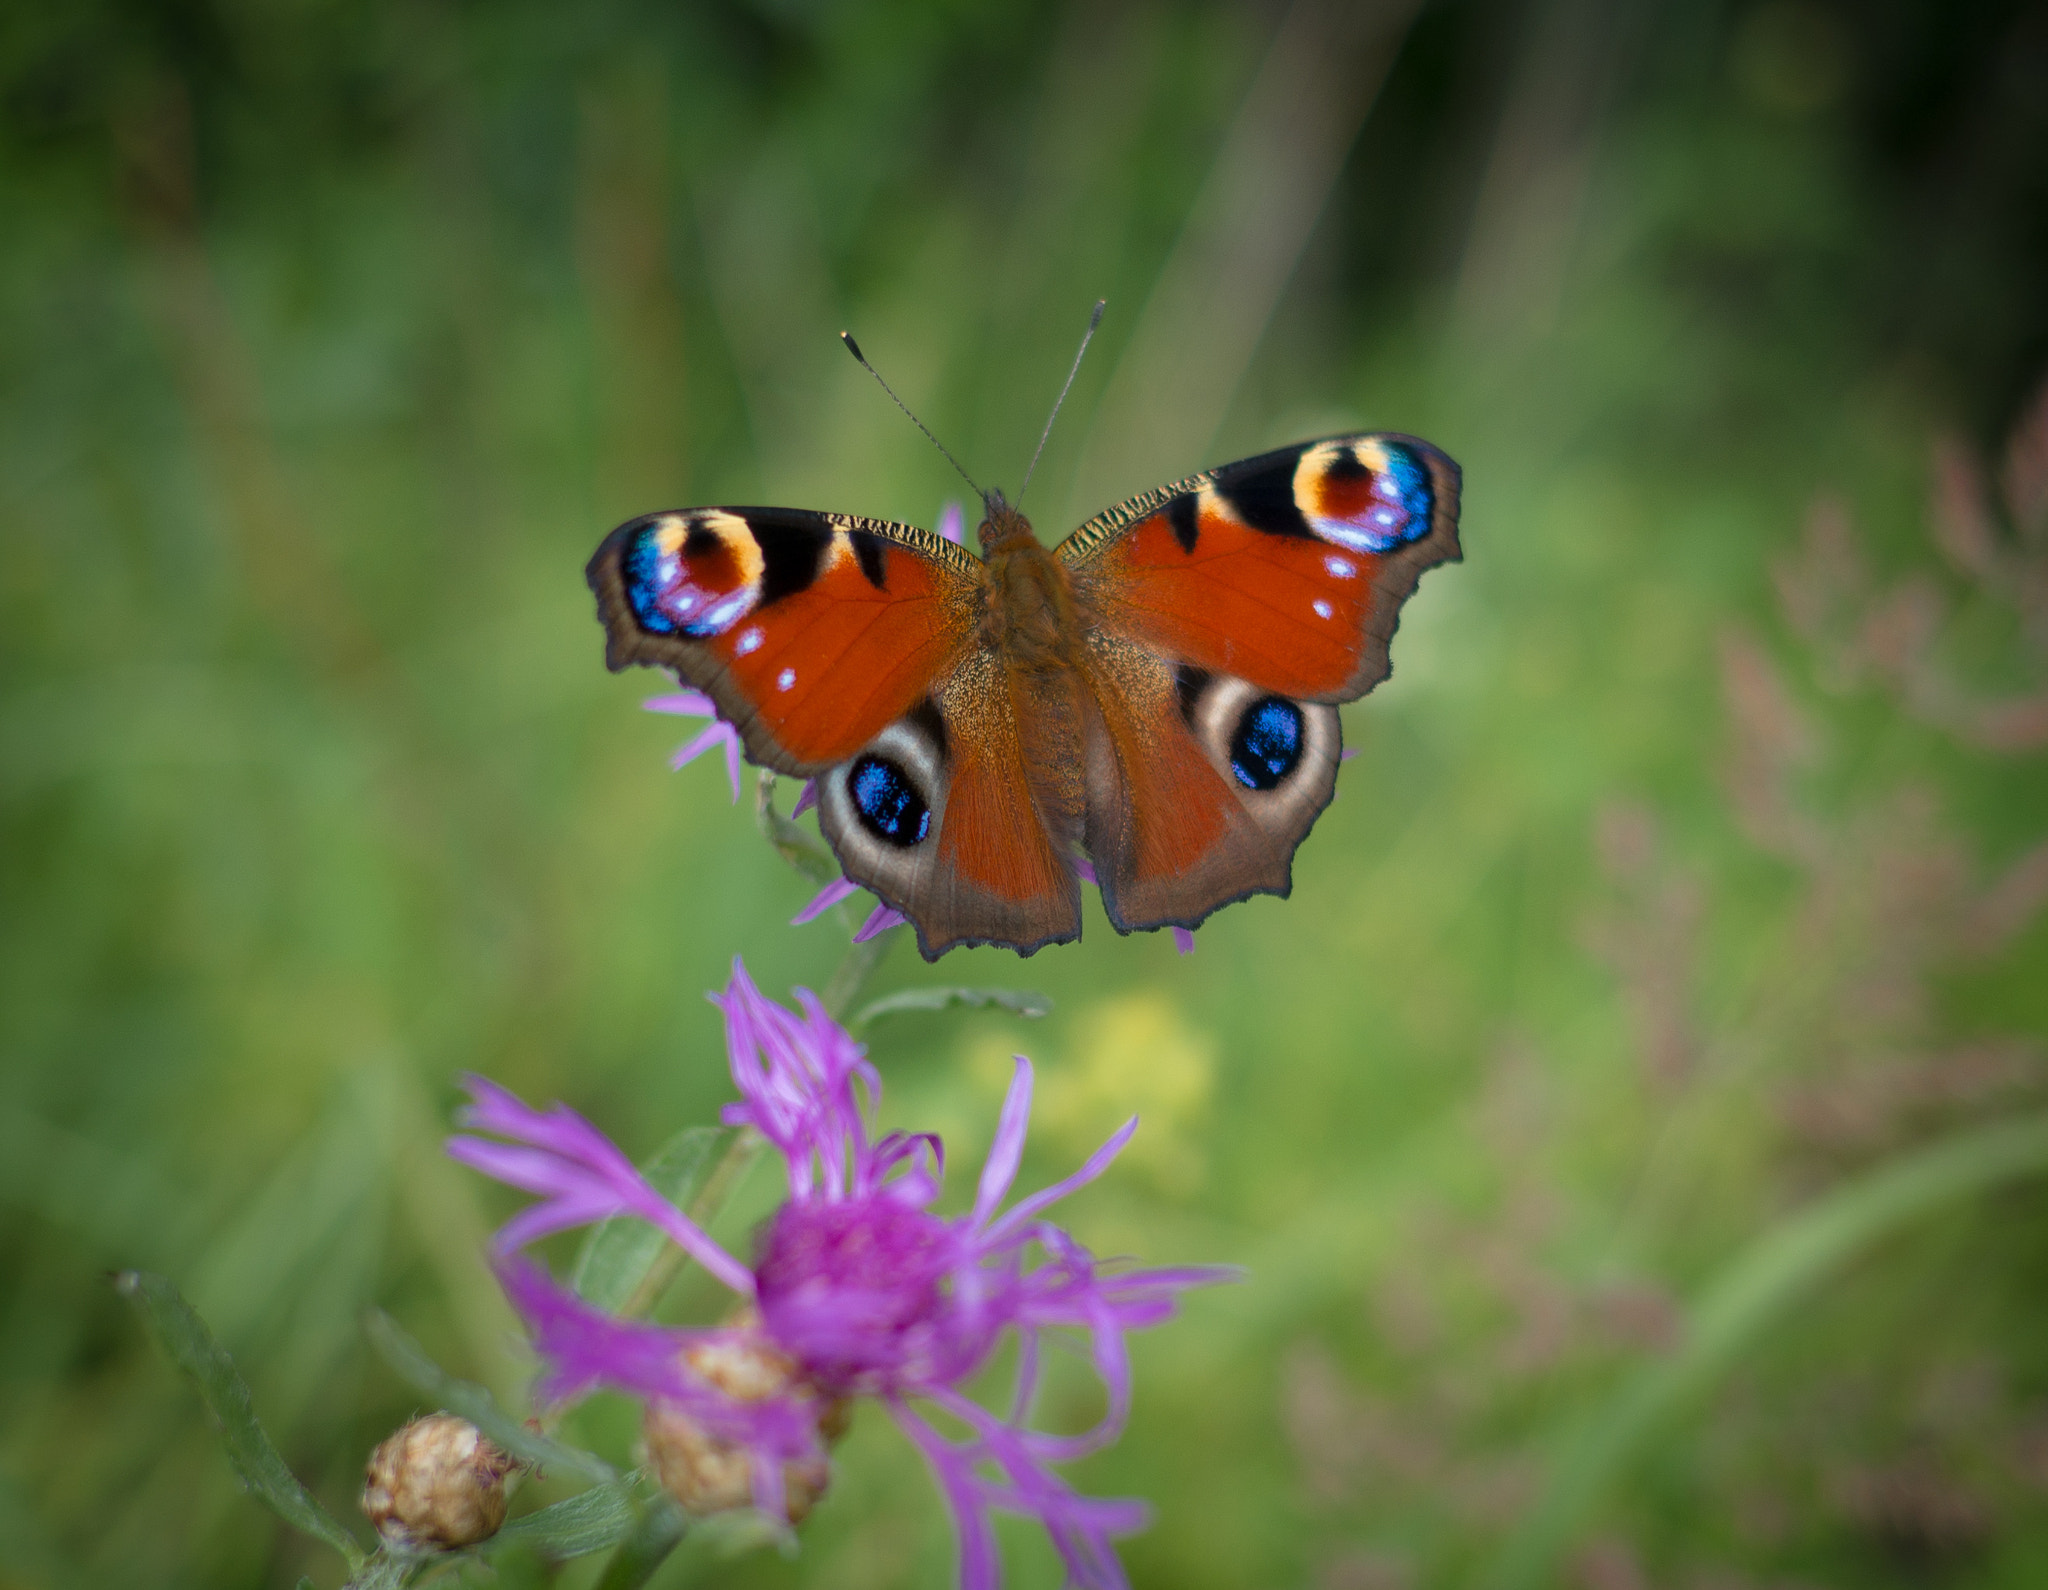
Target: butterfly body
<point>1158,693</point>
<point>1027,614</point>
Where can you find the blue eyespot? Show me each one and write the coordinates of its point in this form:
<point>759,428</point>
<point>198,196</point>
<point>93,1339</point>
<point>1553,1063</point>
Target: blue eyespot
<point>1267,745</point>
<point>887,802</point>
<point>1411,485</point>
<point>645,579</point>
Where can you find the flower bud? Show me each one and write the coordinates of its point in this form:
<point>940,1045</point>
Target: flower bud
<point>707,1473</point>
<point>436,1484</point>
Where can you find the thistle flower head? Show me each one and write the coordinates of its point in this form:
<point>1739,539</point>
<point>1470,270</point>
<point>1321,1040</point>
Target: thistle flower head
<point>436,1484</point>
<point>859,1289</point>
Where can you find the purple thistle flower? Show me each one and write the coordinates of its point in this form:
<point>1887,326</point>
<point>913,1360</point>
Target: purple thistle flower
<point>695,704</point>
<point>858,1290</point>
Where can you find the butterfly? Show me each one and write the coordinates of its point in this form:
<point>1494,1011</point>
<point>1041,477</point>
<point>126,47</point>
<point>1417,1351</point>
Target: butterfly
<point>1158,693</point>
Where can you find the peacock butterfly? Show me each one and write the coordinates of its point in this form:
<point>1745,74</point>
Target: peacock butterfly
<point>1158,692</point>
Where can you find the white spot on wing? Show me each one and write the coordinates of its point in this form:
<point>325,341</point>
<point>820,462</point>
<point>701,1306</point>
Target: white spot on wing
<point>750,640</point>
<point>785,679</point>
<point>1323,608</point>
<point>1342,568</point>
<point>717,617</point>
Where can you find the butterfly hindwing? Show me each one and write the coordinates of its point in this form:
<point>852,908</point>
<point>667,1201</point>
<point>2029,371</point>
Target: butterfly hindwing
<point>1287,570</point>
<point>1212,784</point>
<point>939,816</point>
<point>810,631</point>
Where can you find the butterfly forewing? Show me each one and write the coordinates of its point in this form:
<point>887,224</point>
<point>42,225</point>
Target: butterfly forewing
<point>1288,570</point>
<point>810,631</point>
<point>846,649</point>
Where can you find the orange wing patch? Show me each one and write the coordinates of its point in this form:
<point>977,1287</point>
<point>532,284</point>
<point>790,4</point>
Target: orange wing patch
<point>1285,613</point>
<point>1287,570</point>
<point>993,837</point>
<point>984,868</point>
<point>809,631</point>
<point>1175,831</point>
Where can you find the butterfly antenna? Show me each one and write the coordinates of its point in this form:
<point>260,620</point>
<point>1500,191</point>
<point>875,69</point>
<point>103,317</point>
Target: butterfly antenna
<point>853,348</point>
<point>1094,320</point>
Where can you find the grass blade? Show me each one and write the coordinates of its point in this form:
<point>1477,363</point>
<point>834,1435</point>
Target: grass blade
<point>619,1253</point>
<point>1773,1272</point>
<point>477,1405</point>
<point>182,1334</point>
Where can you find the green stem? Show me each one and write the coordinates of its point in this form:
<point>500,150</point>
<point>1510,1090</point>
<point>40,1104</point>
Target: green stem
<point>853,972</point>
<point>842,989</point>
<point>661,1530</point>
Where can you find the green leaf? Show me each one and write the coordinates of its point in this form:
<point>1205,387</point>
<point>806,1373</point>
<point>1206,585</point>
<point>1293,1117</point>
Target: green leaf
<point>182,1334</point>
<point>1018,1001</point>
<point>661,1529</point>
<point>619,1253</point>
<point>597,1519</point>
<point>1762,1282</point>
<point>477,1405</point>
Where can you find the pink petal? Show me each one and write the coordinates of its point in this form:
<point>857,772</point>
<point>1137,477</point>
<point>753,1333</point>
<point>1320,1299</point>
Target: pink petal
<point>687,703</point>
<point>1080,1526</point>
<point>952,522</point>
<point>712,735</point>
<point>879,921</point>
<point>1004,1155</point>
<point>1084,869</point>
<point>580,1175</point>
<point>796,1076</point>
<point>923,1155</point>
<point>1096,1164</point>
<point>1027,1374</point>
<point>1170,1278</point>
<point>1184,941</point>
<point>1347,753</point>
<point>953,1468</point>
<point>826,898</point>
<point>806,800</point>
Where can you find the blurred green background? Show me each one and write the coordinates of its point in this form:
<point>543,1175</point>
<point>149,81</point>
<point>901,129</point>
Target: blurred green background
<point>1688,887</point>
